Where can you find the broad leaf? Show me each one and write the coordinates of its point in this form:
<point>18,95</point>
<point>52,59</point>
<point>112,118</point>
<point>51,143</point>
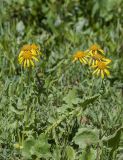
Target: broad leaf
<point>85,137</point>
<point>26,151</point>
<point>70,153</point>
<point>71,97</point>
<point>88,154</point>
<point>38,147</point>
<point>42,147</point>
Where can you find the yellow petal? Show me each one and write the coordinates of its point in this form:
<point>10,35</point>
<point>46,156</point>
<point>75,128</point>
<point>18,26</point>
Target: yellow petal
<point>107,61</point>
<point>35,58</point>
<point>102,74</point>
<point>24,63</point>
<point>28,62</point>
<point>101,51</point>
<point>98,72</point>
<point>90,53</point>
<point>33,52</point>
<point>85,59</point>
<point>20,61</point>
<point>107,72</point>
<point>82,60</point>
<point>93,62</point>
<point>74,59</point>
<point>21,53</point>
<point>90,62</point>
<point>93,66</point>
<point>96,62</point>
<point>32,63</point>
<point>95,71</point>
<point>95,52</point>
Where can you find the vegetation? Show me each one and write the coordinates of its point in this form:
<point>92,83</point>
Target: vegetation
<point>57,109</point>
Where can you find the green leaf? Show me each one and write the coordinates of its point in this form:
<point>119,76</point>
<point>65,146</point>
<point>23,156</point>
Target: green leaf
<point>88,101</point>
<point>56,155</point>
<point>85,137</point>
<point>88,154</point>
<point>73,113</point>
<point>38,147</point>
<point>26,151</point>
<point>70,153</point>
<point>42,147</point>
<point>71,97</point>
<point>112,141</point>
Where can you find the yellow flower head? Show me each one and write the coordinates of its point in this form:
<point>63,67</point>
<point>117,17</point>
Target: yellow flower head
<point>81,56</point>
<point>101,68</point>
<point>34,46</point>
<point>97,57</point>
<point>95,48</point>
<point>28,54</point>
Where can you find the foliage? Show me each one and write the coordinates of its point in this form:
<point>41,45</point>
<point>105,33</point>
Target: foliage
<point>59,110</point>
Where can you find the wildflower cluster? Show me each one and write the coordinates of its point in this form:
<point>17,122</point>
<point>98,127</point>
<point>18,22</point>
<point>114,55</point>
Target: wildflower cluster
<point>95,58</point>
<point>28,55</point>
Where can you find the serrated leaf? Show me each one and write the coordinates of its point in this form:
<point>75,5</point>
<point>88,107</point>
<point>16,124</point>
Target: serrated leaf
<point>88,101</point>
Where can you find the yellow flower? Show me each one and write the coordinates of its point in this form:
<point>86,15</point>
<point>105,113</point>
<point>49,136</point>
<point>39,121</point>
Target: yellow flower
<point>28,54</point>
<point>35,48</point>
<point>101,68</point>
<point>97,57</point>
<point>81,56</point>
<point>95,48</point>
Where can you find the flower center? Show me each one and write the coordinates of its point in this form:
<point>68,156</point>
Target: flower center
<point>97,56</point>
<point>101,65</point>
<point>26,47</point>
<point>80,54</point>
<point>27,55</point>
<point>33,46</point>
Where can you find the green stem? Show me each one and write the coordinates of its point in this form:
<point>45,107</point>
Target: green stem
<point>19,137</point>
<point>22,139</point>
<point>98,152</point>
